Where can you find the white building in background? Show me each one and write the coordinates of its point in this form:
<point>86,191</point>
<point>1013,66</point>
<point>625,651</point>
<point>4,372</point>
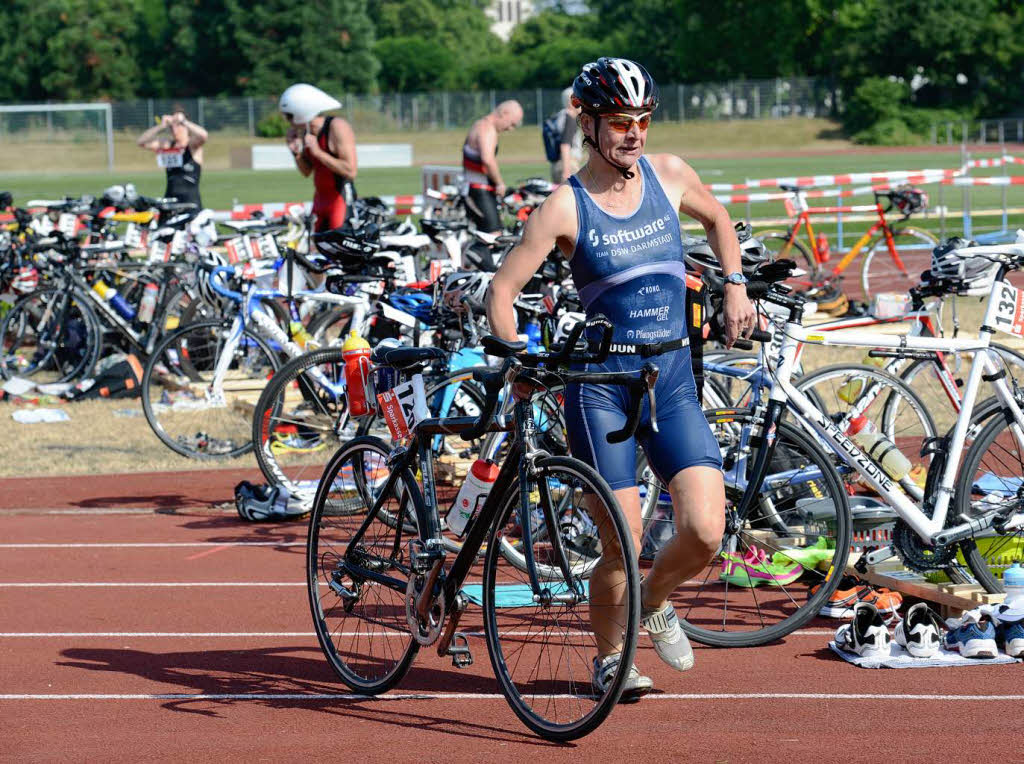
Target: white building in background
<point>506,14</point>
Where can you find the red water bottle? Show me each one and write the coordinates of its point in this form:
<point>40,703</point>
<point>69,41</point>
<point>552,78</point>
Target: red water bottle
<point>823,251</point>
<point>356,353</point>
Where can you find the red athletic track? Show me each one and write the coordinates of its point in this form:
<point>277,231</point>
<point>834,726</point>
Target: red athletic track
<point>257,642</point>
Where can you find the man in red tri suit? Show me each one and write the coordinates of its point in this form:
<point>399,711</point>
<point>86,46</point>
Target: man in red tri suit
<point>325,147</point>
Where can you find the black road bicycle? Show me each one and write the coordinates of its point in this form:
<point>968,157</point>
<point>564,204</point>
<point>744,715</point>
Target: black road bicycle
<point>381,584</point>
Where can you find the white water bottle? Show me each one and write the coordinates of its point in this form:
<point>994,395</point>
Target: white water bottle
<point>1013,584</point>
<point>147,305</point>
<point>863,432</point>
<point>474,490</point>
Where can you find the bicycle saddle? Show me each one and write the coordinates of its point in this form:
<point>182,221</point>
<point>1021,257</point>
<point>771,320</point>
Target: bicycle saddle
<point>349,244</point>
<point>501,348</point>
<point>437,227</point>
<point>402,357</point>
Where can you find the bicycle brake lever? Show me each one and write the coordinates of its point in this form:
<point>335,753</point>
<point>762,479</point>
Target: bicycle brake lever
<point>650,377</point>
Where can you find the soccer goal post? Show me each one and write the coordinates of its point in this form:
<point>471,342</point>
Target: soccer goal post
<point>54,123</point>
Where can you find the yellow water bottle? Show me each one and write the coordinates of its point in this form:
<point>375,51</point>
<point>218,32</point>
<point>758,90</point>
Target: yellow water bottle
<point>299,334</point>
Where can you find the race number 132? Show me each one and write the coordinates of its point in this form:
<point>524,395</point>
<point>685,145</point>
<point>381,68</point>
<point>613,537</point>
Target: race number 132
<point>1010,310</point>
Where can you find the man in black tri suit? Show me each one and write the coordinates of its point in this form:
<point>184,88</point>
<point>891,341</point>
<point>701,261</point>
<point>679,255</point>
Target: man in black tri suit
<point>180,154</point>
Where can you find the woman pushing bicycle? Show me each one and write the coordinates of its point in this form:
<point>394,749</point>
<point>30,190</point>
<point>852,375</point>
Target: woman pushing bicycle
<point>616,222</point>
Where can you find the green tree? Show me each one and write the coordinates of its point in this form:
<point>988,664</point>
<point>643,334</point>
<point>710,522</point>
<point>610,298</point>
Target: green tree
<point>411,64</point>
<point>458,31</point>
<point>23,58</point>
<point>328,43</point>
<point>90,55</point>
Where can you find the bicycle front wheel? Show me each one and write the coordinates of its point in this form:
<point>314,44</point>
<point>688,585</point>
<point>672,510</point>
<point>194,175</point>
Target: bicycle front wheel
<point>881,272</point>
<point>777,566</point>
<point>991,480</point>
<point>543,651</point>
<point>298,418</point>
<point>357,566</point>
<point>200,401</point>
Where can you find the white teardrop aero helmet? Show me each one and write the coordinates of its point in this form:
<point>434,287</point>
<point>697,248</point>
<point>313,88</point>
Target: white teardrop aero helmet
<point>301,102</point>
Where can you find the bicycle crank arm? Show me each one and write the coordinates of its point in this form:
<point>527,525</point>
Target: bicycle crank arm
<point>425,599</point>
<point>454,615</point>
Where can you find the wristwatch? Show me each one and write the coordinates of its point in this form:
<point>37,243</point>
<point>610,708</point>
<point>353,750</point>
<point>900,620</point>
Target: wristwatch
<point>736,277</point>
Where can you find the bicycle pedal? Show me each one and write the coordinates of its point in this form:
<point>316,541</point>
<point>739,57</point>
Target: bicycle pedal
<point>459,650</point>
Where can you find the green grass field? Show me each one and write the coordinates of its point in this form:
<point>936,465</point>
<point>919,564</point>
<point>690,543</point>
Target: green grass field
<point>722,152</point>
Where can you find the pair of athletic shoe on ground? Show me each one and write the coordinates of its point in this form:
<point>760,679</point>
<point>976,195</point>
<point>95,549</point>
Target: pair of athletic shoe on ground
<point>852,590</point>
<point>922,633</point>
<point>670,643</point>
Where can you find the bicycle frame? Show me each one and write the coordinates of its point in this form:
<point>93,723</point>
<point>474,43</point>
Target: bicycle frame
<point>784,394</point>
<point>798,204</point>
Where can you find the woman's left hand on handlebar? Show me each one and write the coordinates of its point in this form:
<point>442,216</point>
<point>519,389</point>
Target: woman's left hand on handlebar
<point>740,316</point>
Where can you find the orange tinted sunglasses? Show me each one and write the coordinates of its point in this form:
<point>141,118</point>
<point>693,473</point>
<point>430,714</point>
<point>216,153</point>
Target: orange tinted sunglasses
<point>622,123</point>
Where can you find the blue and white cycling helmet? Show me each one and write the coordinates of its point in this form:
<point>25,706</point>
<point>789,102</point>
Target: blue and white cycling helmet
<point>416,304</point>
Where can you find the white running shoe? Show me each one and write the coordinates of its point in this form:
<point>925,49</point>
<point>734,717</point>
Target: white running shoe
<point>867,635</point>
<point>921,632</point>
<point>635,687</point>
<point>669,639</point>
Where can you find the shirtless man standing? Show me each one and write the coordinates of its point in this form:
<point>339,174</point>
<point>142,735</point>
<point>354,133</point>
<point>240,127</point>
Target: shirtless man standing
<point>480,165</point>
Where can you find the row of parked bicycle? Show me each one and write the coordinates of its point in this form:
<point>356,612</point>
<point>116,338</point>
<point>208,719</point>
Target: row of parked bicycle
<point>293,344</point>
<point>242,337</point>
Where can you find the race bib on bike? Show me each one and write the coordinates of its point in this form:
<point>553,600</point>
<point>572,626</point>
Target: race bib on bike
<point>67,224</point>
<point>135,236</point>
<point>235,250</point>
<point>1010,310</point>
<point>170,158</point>
<point>404,406</point>
<point>266,245</point>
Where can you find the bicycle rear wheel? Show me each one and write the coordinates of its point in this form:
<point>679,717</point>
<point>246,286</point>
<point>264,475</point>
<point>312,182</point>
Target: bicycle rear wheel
<point>357,566</point>
<point>800,522</point>
<point>297,421</point>
<point>880,272</point>
<point>991,479</point>
<point>51,335</point>
<point>191,414</point>
<point>542,652</point>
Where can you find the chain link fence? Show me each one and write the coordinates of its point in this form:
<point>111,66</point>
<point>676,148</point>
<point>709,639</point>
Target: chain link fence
<point>983,131</point>
<point>394,112</point>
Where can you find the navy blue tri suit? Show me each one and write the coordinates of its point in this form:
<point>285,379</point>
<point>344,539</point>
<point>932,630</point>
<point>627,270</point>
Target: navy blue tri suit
<point>630,269</point>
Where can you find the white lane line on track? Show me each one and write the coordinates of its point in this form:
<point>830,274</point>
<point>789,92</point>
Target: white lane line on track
<point>103,511</point>
<point>266,634</point>
<point>498,696</point>
<point>150,544</point>
<point>181,584</point>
